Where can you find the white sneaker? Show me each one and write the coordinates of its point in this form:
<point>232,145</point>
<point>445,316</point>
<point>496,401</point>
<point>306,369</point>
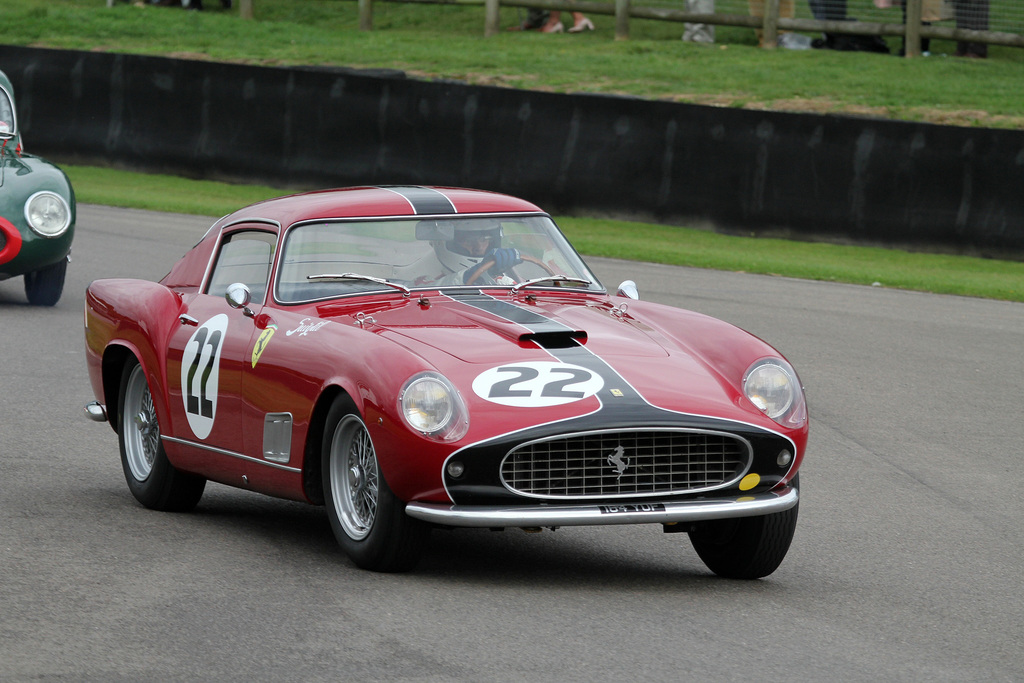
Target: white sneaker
<point>793,41</point>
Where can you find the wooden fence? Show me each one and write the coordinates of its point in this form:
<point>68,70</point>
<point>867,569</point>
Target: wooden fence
<point>771,23</point>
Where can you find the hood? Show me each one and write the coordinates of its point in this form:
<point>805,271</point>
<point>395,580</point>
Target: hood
<point>486,330</point>
<point>467,337</point>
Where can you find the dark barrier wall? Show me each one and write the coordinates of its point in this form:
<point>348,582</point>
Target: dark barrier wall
<point>809,176</point>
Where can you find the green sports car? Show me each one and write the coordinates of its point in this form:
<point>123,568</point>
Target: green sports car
<point>37,212</point>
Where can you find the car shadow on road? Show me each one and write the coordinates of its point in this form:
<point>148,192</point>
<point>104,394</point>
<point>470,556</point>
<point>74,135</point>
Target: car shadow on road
<point>595,557</point>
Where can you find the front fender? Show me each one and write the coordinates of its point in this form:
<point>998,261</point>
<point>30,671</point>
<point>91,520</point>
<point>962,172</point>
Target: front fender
<point>370,369</point>
<point>26,251</point>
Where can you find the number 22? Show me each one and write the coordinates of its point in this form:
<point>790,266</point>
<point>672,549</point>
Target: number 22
<point>201,405</point>
<point>553,388</point>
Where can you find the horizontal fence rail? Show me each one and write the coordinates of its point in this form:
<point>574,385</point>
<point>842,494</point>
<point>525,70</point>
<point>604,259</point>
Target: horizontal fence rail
<point>859,17</point>
<point>987,22</point>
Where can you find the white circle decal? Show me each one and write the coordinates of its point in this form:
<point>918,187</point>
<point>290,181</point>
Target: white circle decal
<point>535,384</point>
<point>200,370</point>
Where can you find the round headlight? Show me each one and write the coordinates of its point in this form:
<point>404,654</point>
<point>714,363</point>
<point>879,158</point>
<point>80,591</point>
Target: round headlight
<point>432,406</point>
<point>772,386</point>
<point>47,213</point>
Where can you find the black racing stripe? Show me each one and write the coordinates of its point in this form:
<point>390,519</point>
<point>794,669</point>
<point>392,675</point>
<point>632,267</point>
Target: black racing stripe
<point>615,388</point>
<point>506,310</point>
<point>424,200</point>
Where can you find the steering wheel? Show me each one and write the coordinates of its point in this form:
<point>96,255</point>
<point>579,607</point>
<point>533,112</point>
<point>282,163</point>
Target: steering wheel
<point>489,263</point>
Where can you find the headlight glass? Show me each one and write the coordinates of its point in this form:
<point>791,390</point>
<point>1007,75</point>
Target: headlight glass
<point>772,385</point>
<point>431,405</point>
<point>47,213</point>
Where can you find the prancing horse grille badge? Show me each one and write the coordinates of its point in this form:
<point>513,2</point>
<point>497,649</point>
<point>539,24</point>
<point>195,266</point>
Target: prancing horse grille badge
<point>620,463</point>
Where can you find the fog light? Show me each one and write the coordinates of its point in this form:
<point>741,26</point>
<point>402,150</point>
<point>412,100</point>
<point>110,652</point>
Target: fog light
<point>455,469</point>
<point>785,457</point>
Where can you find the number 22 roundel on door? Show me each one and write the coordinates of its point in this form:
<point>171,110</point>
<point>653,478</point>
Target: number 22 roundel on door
<point>200,371</point>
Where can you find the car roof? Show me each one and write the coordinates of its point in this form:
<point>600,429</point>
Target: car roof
<point>384,200</point>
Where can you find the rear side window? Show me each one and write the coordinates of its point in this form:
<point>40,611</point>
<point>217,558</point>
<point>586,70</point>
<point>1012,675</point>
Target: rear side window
<point>244,257</point>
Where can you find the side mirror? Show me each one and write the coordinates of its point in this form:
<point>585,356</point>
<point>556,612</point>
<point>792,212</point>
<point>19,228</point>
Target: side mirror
<point>628,289</point>
<point>238,296</point>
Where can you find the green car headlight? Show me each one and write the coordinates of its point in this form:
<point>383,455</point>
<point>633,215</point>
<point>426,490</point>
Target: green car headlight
<point>48,214</point>
<point>432,406</point>
<point>771,384</point>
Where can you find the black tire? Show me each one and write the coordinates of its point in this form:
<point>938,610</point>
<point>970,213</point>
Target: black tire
<point>43,287</point>
<point>367,519</point>
<point>151,477</point>
<point>745,547</point>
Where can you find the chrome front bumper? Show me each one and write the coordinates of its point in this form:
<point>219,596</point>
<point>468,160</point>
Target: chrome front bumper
<point>599,515</point>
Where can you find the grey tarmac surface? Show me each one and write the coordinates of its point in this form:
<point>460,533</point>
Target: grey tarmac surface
<point>906,564</point>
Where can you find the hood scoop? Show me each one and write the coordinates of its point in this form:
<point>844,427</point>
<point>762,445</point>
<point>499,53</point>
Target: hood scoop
<point>560,339</point>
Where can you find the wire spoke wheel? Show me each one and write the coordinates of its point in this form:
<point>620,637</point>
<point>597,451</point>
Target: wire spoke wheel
<point>355,481</point>
<point>367,519</point>
<point>140,427</point>
<point>151,478</point>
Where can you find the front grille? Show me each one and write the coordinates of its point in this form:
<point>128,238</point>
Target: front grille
<point>630,463</point>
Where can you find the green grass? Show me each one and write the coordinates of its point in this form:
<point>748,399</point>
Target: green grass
<point>446,41</point>
<point>945,274</point>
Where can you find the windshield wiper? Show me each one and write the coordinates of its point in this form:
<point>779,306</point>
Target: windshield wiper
<point>552,279</point>
<point>365,278</point>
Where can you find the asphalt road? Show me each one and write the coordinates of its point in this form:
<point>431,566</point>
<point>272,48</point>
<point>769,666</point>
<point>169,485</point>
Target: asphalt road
<point>906,564</point>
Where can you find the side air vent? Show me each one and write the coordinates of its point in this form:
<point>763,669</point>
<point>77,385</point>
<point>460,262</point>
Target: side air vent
<point>277,437</point>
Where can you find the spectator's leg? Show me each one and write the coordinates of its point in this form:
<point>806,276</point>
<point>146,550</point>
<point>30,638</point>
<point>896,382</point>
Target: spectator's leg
<point>757,10</point>
<point>828,10</point>
<point>699,33</point>
<point>973,15</point>
<point>787,9</point>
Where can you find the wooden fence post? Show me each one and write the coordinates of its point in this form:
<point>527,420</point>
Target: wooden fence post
<point>492,18</point>
<point>770,27</point>
<point>245,9</point>
<point>365,15</point>
<point>621,19</point>
<point>912,37</point>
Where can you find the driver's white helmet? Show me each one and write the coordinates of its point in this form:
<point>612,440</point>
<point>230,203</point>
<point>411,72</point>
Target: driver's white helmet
<point>453,255</point>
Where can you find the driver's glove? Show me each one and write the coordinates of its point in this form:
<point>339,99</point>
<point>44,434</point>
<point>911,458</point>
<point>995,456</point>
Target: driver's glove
<point>504,259</point>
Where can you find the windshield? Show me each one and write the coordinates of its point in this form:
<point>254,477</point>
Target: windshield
<point>6,114</point>
<point>330,259</point>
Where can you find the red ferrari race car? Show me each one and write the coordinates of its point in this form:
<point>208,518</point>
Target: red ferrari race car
<point>415,357</point>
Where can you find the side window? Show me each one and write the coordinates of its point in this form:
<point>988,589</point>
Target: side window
<point>244,257</point>
<point>6,114</point>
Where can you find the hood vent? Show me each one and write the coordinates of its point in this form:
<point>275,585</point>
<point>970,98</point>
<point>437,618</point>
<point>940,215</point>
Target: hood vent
<point>556,340</point>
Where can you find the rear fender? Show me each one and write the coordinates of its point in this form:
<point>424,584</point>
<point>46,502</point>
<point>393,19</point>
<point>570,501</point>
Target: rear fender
<point>125,318</point>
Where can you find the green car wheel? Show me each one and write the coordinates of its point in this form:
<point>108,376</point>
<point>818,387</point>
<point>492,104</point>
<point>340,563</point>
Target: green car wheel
<point>43,287</point>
